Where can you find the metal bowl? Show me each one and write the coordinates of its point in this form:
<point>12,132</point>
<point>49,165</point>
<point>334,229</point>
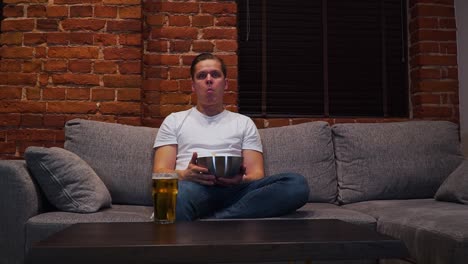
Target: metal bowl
<point>222,166</point>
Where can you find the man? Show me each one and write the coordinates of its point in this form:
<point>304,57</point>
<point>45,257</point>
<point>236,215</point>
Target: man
<point>208,129</point>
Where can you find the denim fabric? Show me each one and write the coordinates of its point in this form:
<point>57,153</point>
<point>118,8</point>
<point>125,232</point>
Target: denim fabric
<point>271,196</point>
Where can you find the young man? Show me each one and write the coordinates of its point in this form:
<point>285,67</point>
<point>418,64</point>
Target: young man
<point>208,129</point>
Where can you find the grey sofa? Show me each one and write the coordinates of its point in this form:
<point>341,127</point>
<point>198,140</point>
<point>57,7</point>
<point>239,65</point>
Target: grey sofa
<point>384,176</point>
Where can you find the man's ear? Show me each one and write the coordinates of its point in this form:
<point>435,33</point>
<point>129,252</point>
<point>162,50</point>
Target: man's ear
<point>225,83</point>
<point>193,88</point>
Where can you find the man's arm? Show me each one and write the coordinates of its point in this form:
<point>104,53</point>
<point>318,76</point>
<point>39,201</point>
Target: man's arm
<point>253,163</point>
<point>165,161</point>
<point>165,158</point>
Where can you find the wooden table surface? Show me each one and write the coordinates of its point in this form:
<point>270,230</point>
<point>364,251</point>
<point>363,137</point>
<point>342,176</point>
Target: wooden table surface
<point>215,241</point>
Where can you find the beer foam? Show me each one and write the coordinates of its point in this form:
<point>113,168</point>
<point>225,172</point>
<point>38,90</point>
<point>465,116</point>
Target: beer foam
<point>161,176</point>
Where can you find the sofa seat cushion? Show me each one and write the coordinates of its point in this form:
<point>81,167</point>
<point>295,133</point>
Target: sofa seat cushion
<point>43,225</point>
<point>121,155</point>
<point>331,211</point>
<point>306,149</point>
<point>434,232</point>
<point>400,160</point>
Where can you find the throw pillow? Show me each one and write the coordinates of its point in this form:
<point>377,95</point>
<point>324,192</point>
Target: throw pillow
<point>455,187</point>
<point>67,181</point>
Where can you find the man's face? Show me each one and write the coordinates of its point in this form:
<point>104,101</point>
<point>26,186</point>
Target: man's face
<point>209,82</point>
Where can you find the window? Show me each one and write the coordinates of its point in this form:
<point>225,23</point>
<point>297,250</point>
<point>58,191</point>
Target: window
<point>323,58</point>
<point>1,13</point>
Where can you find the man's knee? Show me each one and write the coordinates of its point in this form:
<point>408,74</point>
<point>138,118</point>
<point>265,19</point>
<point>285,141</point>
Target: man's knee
<point>298,186</point>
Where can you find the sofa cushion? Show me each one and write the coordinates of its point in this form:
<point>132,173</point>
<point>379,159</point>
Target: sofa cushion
<point>306,149</point>
<point>434,232</point>
<point>66,180</point>
<point>20,198</point>
<point>398,160</point>
<point>43,225</point>
<point>331,211</point>
<point>121,155</point>
<point>455,187</point>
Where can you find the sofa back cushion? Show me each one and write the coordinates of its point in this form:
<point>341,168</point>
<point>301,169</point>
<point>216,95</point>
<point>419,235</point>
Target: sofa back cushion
<point>400,160</point>
<point>306,149</point>
<point>121,155</point>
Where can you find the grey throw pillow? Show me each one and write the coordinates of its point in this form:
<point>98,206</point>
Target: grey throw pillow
<point>67,181</point>
<point>455,187</point>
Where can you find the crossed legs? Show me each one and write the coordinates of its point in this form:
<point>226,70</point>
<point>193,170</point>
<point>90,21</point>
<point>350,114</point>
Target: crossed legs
<point>268,197</point>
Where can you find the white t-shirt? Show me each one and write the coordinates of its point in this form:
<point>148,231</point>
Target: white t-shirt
<point>226,133</point>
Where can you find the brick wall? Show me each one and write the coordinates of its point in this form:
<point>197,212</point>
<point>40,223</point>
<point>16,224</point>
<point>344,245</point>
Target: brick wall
<point>66,59</point>
<point>174,33</point>
<point>433,59</point>
<point>128,61</point>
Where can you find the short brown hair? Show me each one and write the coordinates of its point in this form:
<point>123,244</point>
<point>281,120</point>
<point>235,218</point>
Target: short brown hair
<point>206,56</point>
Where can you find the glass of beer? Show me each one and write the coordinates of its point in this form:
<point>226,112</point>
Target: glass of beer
<point>165,188</point>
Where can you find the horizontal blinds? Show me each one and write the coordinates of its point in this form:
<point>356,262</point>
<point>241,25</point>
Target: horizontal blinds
<point>355,57</point>
<point>365,58</point>
<point>294,57</point>
<point>396,58</point>
<point>250,56</point>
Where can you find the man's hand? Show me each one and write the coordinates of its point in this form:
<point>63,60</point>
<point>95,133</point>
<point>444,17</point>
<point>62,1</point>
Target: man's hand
<point>196,173</point>
<point>232,181</point>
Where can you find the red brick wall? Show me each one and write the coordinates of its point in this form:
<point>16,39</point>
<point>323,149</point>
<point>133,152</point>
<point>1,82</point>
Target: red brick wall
<point>128,61</point>
<point>174,33</point>
<point>433,59</point>
<point>66,59</point>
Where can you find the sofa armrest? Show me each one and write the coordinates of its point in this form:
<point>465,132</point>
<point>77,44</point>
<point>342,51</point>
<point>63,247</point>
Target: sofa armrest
<point>20,199</point>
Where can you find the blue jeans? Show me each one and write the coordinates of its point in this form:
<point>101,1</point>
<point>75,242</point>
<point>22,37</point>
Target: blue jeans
<point>270,196</point>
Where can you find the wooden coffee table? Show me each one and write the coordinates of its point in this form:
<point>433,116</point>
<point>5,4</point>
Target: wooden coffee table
<point>214,242</point>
